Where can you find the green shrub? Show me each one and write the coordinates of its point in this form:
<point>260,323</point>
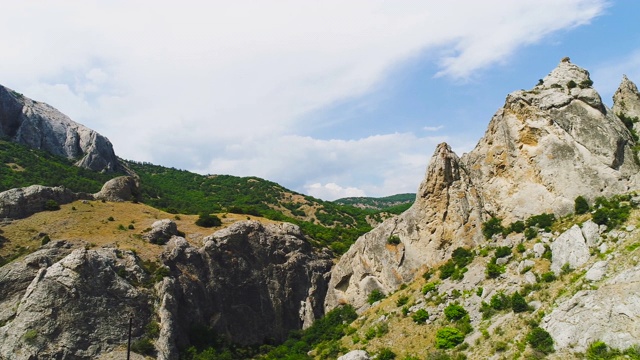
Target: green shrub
<point>30,336</point>
<point>448,337</point>
<point>586,83</point>
<point>493,270</point>
<point>492,227</point>
<point>571,84</point>
<point>208,220</point>
<point>455,312</point>
<point>447,269</point>
<point>542,221</point>
<point>45,240</point>
<point>386,354</point>
<point>51,205</point>
<point>111,218</point>
<point>502,251</point>
<point>520,248</point>
<point>131,227</point>
<point>548,277</point>
<point>462,257</point>
<point>530,233</point>
<point>517,227</point>
<point>428,287</point>
<point>393,240</point>
<point>143,346</point>
<point>581,206</point>
<point>402,300</point>
<point>375,295</point>
<point>518,303</point>
<point>540,340</point>
<point>500,301</point>
<point>420,316</point>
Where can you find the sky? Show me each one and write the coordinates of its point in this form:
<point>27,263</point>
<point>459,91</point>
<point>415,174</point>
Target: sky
<point>329,98</point>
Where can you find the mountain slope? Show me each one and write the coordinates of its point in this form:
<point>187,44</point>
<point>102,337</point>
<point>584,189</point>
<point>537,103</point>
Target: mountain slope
<point>394,203</point>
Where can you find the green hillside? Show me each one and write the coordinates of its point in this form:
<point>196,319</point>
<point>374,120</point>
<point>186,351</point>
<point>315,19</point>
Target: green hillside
<point>394,204</point>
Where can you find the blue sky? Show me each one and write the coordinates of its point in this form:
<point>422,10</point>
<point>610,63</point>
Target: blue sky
<point>331,98</point>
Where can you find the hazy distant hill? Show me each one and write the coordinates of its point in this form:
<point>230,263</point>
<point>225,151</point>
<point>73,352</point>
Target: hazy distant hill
<point>394,203</point>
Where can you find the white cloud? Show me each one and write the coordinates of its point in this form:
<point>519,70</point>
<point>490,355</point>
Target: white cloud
<point>220,86</point>
<point>433,128</point>
<point>332,191</point>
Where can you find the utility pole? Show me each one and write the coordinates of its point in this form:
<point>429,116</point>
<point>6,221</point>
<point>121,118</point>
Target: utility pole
<point>129,341</point>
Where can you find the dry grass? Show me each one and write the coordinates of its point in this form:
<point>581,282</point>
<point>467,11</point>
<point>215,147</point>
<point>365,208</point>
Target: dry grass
<point>90,222</point>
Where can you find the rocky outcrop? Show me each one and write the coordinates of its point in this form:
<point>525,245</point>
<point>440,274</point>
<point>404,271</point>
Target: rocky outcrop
<point>122,188</point>
<point>355,355</point>
<point>550,144</point>
<point>40,126</point>
<point>542,149</point>
<point>610,314</point>
<point>570,248</point>
<point>64,303</point>
<point>447,214</point>
<point>626,100</point>
<point>22,202</point>
<point>250,283</point>
<point>161,231</point>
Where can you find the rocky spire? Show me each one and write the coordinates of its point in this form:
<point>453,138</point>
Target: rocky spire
<point>626,100</point>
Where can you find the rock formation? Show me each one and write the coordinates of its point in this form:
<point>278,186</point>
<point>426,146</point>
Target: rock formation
<point>542,149</point>
<point>626,100</point>
<point>122,188</point>
<point>22,202</point>
<point>161,231</point>
<point>250,283</point>
<point>40,126</point>
<point>64,303</point>
<point>447,214</point>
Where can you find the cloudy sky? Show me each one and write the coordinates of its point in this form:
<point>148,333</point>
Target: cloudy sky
<point>328,98</point>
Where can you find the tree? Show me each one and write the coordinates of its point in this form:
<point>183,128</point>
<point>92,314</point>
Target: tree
<point>454,312</point>
<point>448,337</point>
<point>540,340</point>
<point>518,303</point>
<point>208,220</point>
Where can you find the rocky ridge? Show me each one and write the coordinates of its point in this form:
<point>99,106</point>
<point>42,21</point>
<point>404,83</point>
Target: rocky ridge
<point>40,126</point>
<point>542,149</point>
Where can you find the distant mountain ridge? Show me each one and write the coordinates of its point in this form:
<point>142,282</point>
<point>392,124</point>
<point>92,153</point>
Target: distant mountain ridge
<point>381,203</point>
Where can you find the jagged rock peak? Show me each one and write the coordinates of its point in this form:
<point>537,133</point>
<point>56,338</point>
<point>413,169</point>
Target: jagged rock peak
<point>41,126</point>
<point>564,73</point>
<point>443,170</point>
<point>626,100</point>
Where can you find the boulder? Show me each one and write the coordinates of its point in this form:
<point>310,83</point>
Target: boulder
<point>161,231</point>
<point>591,233</point>
<point>355,355</point>
<point>122,188</point>
<point>610,314</point>
<point>22,202</point>
<point>569,248</point>
<point>597,271</point>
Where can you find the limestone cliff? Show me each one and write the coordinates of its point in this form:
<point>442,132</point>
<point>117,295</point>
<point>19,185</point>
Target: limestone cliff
<point>542,149</point>
<point>550,144</point>
<point>447,214</point>
<point>626,100</point>
<point>40,126</point>
<point>250,283</point>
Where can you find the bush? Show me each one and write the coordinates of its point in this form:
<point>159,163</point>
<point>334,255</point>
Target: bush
<point>493,270</point>
<point>420,316</point>
<point>375,295</point>
<point>386,354</point>
<point>143,346</point>
<point>51,205</point>
<point>542,221</point>
<point>208,220</point>
<point>402,300</point>
<point>500,301</point>
<point>548,277</point>
<point>462,257</point>
<point>502,251</point>
<point>448,337</point>
<point>540,340</point>
<point>393,240</point>
<point>530,233</point>
<point>491,227</point>
<point>581,206</point>
<point>516,227</point>
<point>428,287</point>
<point>518,303</point>
<point>571,84</point>
<point>447,269</point>
<point>454,312</point>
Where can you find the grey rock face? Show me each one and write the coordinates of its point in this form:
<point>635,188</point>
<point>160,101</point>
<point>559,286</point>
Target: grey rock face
<point>447,214</point>
<point>550,144</point>
<point>40,126</point>
<point>355,355</point>
<point>249,282</point>
<point>22,202</point>
<point>626,100</point>
<point>597,271</point>
<point>74,307</point>
<point>122,188</point>
<point>610,314</point>
<point>569,248</point>
<point>161,231</point>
